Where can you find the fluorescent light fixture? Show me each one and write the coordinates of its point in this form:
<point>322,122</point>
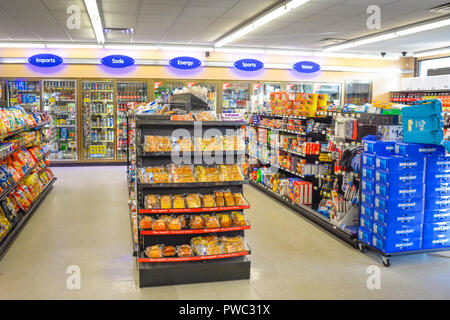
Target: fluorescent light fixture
<point>73,46</point>
<point>94,15</point>
<point>272,15</point>
<point>289,52</point>
<point>21,45</point>
<point>240,50</point>
<point>186,48</point>
<point>392,35</point>
<point>131,47</point>
<point>431,52</point>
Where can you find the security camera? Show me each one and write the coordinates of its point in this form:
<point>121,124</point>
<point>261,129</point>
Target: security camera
<point>383,54</point>
<point>404,53</point>
<point>207,54</point>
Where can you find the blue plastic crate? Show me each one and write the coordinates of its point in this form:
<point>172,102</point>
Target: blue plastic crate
<point>436,242</point>
<point>418,150</point>
<point>367,186</point>
<point>367,212</point>
<point>397,163</point>
<point>379,148</point>
<point>364,235</point>
<point>399,178</point>
<point>368,173</point>
<point>368,199</point>
<point>434,229</point>
<point>365,223</point>
<point>385,219</point>
<point>437,191</point>
<point>368,160</point>
<point>423,123</point>
<point>440,203</point>
<point>400,191</point>
<point>437,178</point>
<point>403,244</point>
<point>399,206</point>
<point>438,164</point>
<point>394,232</point>
<point>432,216</point>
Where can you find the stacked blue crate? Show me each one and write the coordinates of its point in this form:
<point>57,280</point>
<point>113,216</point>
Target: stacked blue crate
<point>436,231</point>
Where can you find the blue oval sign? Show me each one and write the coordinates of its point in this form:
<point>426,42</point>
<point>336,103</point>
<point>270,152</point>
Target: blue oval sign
<point>185,63</point>
<point>248,65</point>
<point>117,61</point>
<point>306,67</point>
<point>45,60</point>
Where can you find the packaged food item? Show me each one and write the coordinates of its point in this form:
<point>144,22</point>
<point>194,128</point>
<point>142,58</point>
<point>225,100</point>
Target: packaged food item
<point>178,202</point>
<point>151,201</point>
<point>229,199</point>
<point>232,244</point>
<point>174,224</point>
<point>154,251</point>
<point>239,199</point>
<point>206,116</point>
<point>182,174</point>
<point>231,172</point>
<point>193,200</point>
<point>169,251</point>
<point>146,223</point>
<point>210,222</point>
<point>182,144</point>
<point>166,202</point>
<point>208,201</point>
<point>184,250</point>
<point>220,201</point>
<point>182,220</point>
<point>225,220</point>
<point>238,219</point>
<point>196,222</point>
<point>159,225</point>
<point>206,246</point>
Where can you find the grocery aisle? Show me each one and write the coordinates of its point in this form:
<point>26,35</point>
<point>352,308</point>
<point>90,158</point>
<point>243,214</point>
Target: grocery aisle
<point>84,221</point>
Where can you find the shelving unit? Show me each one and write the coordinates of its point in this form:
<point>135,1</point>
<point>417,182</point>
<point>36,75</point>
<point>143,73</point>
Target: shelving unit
<point>178,270</point>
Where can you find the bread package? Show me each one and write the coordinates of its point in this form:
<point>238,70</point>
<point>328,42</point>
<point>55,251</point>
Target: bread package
<point>211,222</point>
<point>208,201</point>
<point>154,251</point>
<point>166,202</point>
<point>169,251</point>
<point>239,199</point>
<point>229,199</point>
<point>196,222</point>
<point>184,250</point>
<point>146,222</point>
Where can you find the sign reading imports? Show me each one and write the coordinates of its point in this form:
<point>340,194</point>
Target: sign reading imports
<point>185,63</point>
<point>45,60</point>
<point>117,61</point>
<point>306,67</point>
<point>248,65</point>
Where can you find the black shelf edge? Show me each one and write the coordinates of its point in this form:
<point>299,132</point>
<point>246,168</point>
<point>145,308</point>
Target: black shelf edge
<point>191,185</point>
<point>11,235</point>
<point>312,215</point>
<point>143,122</point>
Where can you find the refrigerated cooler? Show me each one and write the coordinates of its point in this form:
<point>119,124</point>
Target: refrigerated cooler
<point>60,100</point>
<point>358,92</point>
<point>299,87</point>
<point>261,95</point>
<point>3,99</point>
<point>127,92</point>
<point>236,95</point>
<point>98,120</point>
<point>26,93</point>
<point>333,90</point>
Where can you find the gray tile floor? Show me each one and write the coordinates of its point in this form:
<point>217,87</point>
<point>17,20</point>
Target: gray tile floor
<point>84,222</point>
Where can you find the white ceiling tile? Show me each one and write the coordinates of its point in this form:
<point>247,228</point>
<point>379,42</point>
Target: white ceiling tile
<point>83,34</point>
<point>117,20</point>
<point>127,7</point>
<point>195,11</point>
<point>156,18</point>
<point>62,5</point>
<point>165,2</point>
<point>161,9</point>
<point>21,5</point>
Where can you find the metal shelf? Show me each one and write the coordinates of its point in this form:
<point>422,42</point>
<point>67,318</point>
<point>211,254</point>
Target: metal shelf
<point>191,184</point>
<point>192,231</point>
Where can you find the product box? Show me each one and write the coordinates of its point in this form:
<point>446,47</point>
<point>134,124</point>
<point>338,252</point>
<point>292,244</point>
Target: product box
<point>399,206</point>
<point>386,219</point>
<point>368,173</point>
<point>364,235</point>
<point>437,178</point>
<point>400,178</point>
<point>365,223</point>
<point>417,150</point>
<point>367,186</point>
<point>437,228</point>
<point>402,164</point>
<point>439,203</point>
<point>368,160</point>
<point>437,241</point>
<point>390,132</point>
<point>438,164</point>
<point>379,148</point>
<point>400,191</point>
<point>368,199</point>
<point>437,191</point>
<point>432,216</point>
<point>394,232</point>
<point>403,244</point>
<point>367,212</point>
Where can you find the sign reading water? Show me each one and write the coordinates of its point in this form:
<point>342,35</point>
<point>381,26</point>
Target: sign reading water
<point>45,60</point>
<point>117,61</point>
<point>248,65</point>
<point>185,63</point>
<point>306,67</point>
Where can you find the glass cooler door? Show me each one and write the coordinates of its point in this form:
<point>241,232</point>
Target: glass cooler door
<point>60,100</point>
<point>164,89</point>
<point>261,96</point>
<point>333,90</point>
<point>127,92</point>
<point>25,93</point>
<point>235,95</point>
<point>299,87</point>
<point>98,120</point>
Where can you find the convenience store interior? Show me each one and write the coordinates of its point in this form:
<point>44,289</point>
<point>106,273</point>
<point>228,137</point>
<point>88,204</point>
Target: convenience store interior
<point>87,149</point>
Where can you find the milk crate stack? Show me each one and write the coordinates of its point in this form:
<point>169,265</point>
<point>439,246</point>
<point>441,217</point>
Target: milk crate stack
<point>405,199</point>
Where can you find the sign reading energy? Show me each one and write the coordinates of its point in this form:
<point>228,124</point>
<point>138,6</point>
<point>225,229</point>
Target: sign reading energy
<point>185,63</point>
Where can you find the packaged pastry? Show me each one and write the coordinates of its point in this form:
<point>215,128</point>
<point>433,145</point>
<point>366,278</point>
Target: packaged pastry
<point>161,177</point>
<point>225,220</point>
<point>154,251</point>
<point>146,223</point>
<point>193,200</point>
<point>232,244</point>
<point>196,222</point>
<point>229,199</point>
<point>182,174</point>
<point>206,246</point>
<point>159,225</point>
<point>166,218</point>
<point>211,222</point>
<point>208,201</point>
<point>174,224</point>
<point>169,251</point>
<point>238,219</point>
<point>182,220</point>
<point>184,250</point>
<point>239,199</point>
<point>151,201</point>
<point>220,201</point>
<point>166,202</point>
<point>182,145</point>
<point>178,202</point>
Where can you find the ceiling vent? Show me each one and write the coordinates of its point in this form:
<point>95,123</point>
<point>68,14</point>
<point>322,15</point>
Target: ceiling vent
<point>119,30</point>
<point>445,8</point>
<point>331,41</point>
